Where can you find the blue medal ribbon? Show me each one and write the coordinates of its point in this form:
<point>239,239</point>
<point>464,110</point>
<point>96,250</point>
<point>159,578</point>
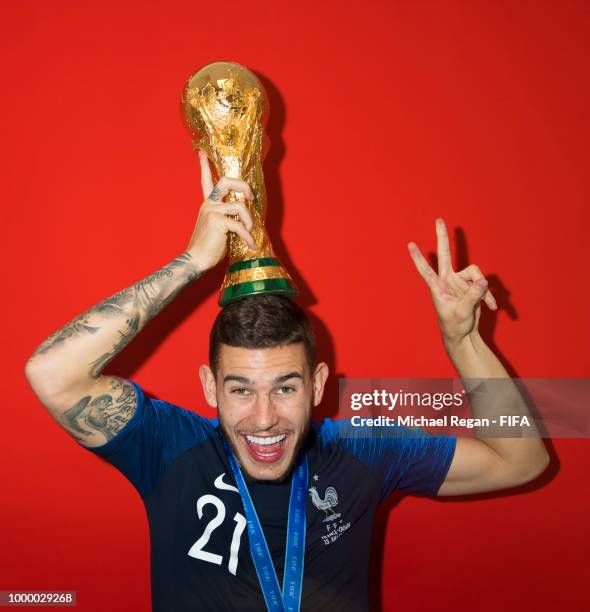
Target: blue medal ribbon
<point>289,599</point>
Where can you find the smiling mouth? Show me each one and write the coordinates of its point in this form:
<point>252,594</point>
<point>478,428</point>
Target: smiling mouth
<point>265,449</point>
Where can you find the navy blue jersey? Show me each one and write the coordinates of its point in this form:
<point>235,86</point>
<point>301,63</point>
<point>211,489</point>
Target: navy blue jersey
<point>200,557</point>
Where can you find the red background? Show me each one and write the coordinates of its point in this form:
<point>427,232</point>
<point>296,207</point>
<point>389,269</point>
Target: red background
<point>384,115</point>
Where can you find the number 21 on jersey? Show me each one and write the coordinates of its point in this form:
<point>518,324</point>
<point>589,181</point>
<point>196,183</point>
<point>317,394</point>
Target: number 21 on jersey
<point>198,551</point>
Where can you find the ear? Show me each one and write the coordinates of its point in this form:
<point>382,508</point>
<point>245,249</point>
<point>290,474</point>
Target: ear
<point>319,382</point>
<point>209,385</point>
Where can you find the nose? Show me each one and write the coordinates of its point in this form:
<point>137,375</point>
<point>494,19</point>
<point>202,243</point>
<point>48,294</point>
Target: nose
<point>264,415</point>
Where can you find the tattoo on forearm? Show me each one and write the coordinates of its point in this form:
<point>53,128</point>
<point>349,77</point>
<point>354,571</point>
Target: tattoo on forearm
<point>76,327</point>
<point>106,414</point>
<point>136,305</point>
<point>125,338</point>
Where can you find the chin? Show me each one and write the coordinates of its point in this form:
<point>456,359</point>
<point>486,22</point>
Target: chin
<point>266,473</point>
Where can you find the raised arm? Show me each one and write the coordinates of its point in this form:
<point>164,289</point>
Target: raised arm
<point>483,463</point>
<point>65,370</point>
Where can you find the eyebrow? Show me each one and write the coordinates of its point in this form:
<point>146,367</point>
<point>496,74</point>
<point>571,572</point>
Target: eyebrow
<point>247,381</point>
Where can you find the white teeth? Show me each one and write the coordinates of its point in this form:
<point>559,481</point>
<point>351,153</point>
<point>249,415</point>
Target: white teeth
<point>266,440</point>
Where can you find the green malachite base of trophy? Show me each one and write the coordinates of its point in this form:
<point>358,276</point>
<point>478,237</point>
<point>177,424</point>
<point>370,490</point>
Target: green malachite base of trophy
<point>256,276</point>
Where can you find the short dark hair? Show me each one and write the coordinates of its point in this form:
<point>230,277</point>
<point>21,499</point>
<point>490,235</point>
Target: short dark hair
<point>261,321</point>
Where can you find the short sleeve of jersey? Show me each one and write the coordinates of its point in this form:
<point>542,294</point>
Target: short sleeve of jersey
<point>157,433</point>
<point>401,458</point>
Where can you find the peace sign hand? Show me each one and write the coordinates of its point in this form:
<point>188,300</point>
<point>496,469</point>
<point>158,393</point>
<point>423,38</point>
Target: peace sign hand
<point>456,295</point>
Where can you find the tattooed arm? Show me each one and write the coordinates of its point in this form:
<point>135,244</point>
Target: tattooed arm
<point>65,370</point>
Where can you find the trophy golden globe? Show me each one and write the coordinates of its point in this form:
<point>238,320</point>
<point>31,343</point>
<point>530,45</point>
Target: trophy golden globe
<point>226,109</point>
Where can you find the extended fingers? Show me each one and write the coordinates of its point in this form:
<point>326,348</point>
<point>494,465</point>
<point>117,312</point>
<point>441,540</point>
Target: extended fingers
<point>423,267</point>
<point>206,178</point>
<point>473,273</point>
<point>443,249</point>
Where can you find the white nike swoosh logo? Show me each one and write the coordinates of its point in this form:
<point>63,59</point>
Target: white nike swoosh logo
<point>219,484</point>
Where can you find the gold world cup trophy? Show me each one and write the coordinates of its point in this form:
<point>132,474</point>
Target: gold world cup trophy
<point>226,110</point>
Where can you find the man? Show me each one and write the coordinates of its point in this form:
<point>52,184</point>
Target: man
<point>206,483</point>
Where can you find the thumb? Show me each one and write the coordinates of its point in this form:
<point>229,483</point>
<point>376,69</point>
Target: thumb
<point>472,297</point>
